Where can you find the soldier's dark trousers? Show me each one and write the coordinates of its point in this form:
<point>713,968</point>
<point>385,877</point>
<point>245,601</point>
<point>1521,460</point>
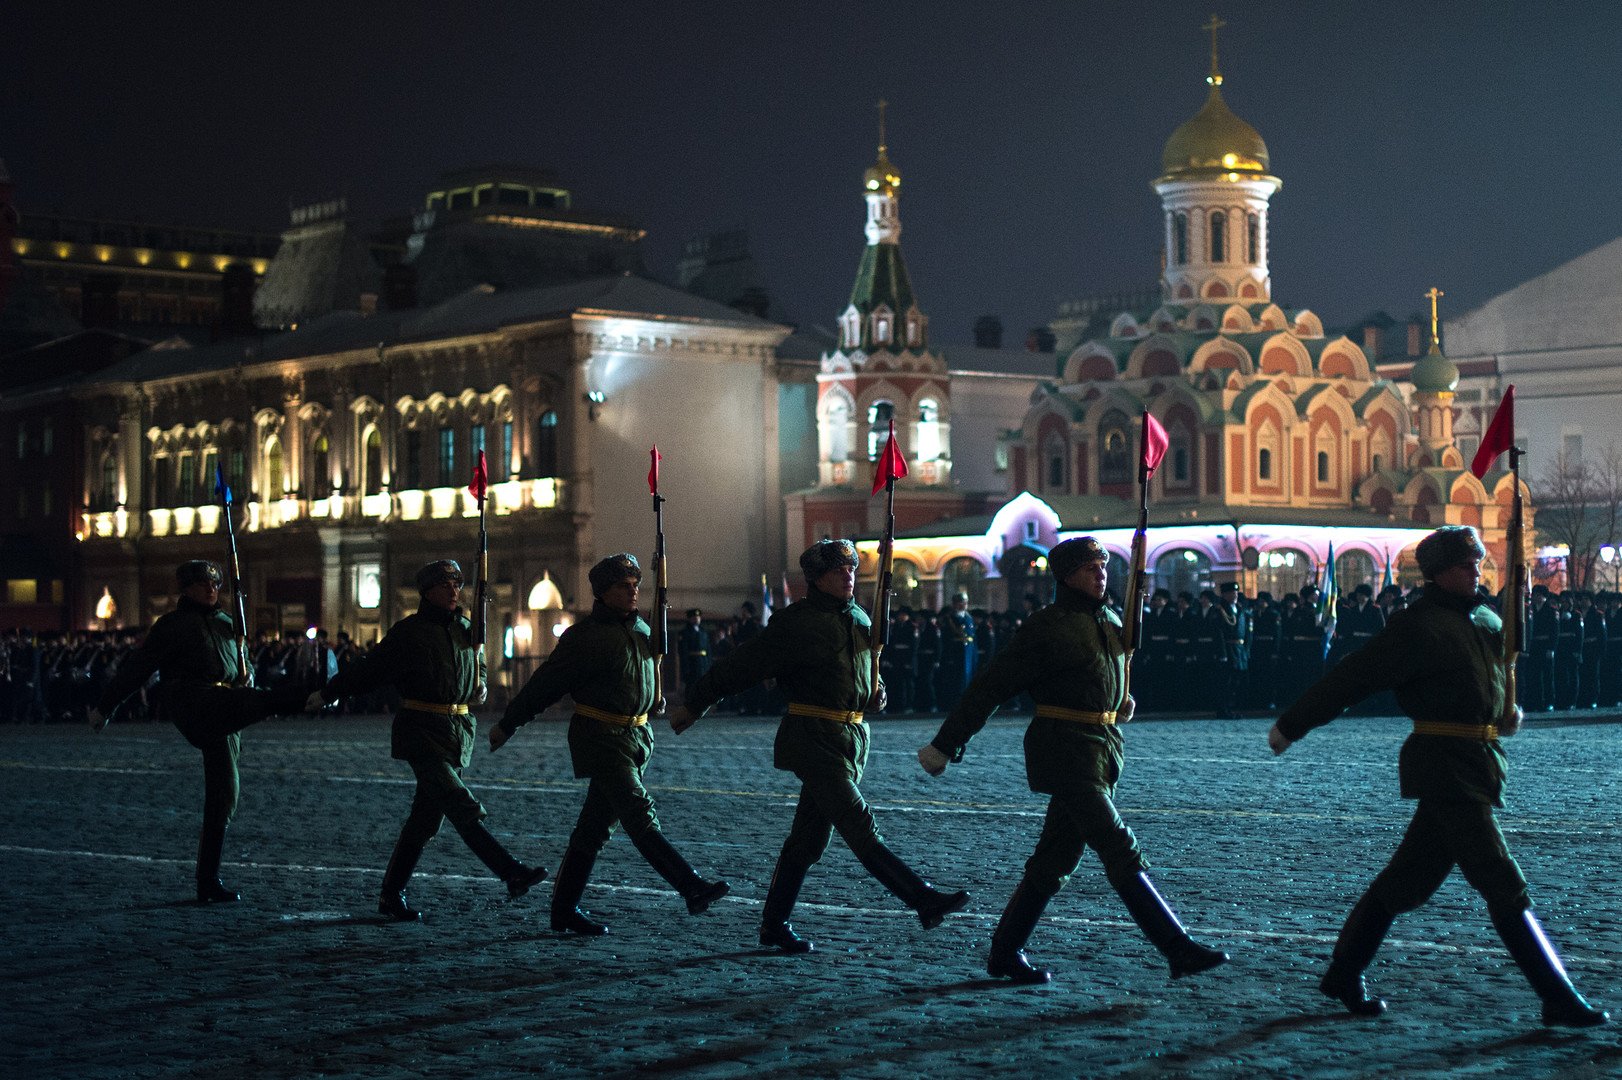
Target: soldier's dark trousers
<point>1566,670</point>
<point>1077,820</point>
<point>618,797</point>
<point>1588,679</point>
<point>441,795</point>
<point>211,719</point>
<point>1443,835</point>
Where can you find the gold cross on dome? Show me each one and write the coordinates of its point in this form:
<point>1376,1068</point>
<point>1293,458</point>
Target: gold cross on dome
<point>882,106</point>
<point>1215,78</point>
<point>1434,295</point>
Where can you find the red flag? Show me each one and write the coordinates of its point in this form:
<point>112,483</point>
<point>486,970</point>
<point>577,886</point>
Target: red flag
<point>892,466</point>
<point>1500,435</point>
<point>481,479</point>
<point>1155,441</point>
<point>653,471</point>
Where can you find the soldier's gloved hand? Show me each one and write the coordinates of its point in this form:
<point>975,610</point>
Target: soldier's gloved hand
<point>498,736</point>
<point>1512,722</point>
<point>98,720</point>
<point>682,718</point>
<point>481,695</point>
<point>1128,709</point>
<point>933,761</point>
<point>315,702</point>
<point>658,707</point>
<point>1277,740</point>
<point>880,698</point>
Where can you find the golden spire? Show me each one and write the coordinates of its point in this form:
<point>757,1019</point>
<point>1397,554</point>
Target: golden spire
<point>882,106</point>
<point>1434,295</point>
<point>883,177</point>
<point>1215,78</point>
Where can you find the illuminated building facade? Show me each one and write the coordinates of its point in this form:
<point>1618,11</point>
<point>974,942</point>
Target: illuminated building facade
<point>1283,442</point>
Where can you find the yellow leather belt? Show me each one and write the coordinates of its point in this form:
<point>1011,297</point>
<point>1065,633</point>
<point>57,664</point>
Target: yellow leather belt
<point>1484,732</point>
<point>837,715</point>
<point>610,718</point>
<point>1055,712</point>
<point>433,707</point>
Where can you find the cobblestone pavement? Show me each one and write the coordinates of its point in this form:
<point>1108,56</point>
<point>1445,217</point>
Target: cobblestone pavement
<point>109,971</point>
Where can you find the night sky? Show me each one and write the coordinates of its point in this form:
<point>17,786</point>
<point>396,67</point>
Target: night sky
<point>1466,145</point>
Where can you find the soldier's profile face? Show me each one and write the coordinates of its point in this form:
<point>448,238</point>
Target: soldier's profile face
<point>445,594</point>
<point>1090,579</point>
<point>1460,579</point>
<point>206,592</point>
<point>621,596</point>
<point>839,581</point>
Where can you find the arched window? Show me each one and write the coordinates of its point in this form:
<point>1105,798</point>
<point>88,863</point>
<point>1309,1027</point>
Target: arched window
<point>1253,238</point>
<point>372,482</point>
<point>1323,466</point>
<point>163,480</point>
<point>320,477</point>
<point>546,444</point>
<point>1219,236</point>
<point>964,575</point>
<point>929,430</point>
<point>1179,234</point>
<point>1354,568</point>
<point>1264,463</point>
<point>1283,571</point>
<point>1179,455</point>
<point>904,581</point>
<point>475,445</point>
<point>1055,453</point>
<point>1114,450</point>
<point>879,415</point>
<point>881,329</point>
<point>413,458</point>
<point>186,479</point>
<point>107,495</point>
<point>839,429</point>
<point>1183,570</point>
<point>275,469</point>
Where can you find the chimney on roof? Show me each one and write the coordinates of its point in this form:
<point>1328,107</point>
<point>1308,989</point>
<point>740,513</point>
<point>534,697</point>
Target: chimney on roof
<point>400,287</point>
<point>988,332</point>
<point>1041,340</point>
<point>1413,337</point>
<point>237,286</point>
<point>1371,341</point>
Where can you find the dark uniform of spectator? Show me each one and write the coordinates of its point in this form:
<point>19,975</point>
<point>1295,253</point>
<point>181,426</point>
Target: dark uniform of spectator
<point>1610,679</point>
<point>957,652</point>
<point>1232,624</point>
<point>1151,681</point>
<point>693,646</point>
<point>900,661</point>
<point>929,657</point>
<point>1568,650</point>
<point>1542,636</point>
<point>1264,642</point>
<point>1594,642</point>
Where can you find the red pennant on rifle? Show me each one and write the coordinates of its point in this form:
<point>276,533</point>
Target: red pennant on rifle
<point>653,471</point>
<point>892,466</point>
<point>1500,435</point>
<point>1155,441</point>
<point>481,479</point>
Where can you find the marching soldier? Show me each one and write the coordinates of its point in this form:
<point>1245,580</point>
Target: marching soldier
<point>606,664</point>
<point>819,652</point>
<point>1071,658</point>
<point>1442,657</point>
<point>430,658</point>
<point>203,691</point>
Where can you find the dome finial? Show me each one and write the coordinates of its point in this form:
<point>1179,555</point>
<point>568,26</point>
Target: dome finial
<point>883,178</point>
<point>882,106</point>
<point>1434,295</point>
<point>1215,78</point>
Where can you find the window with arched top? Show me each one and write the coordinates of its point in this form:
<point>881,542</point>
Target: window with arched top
<point>964,575</point>
<point>1267,451</point>
<point>1055,455</point>
<point>413,459</point>
<point>1323,466</point>
<point>447,456</point>
<point>1354,568</point>
<point>275,469</point>
<point>838,429</point>
<point>186,479</point>
<point>1283,570</point>
<point>1264,463</point>
<point>1179,238</point>
<point>320,477</point>
<point>1253,238</point>
<point>372,480</point>
<point>107,489</point>
<point>879,415</point>
<point>929,430</point>
<point>915,331</point>
<point>1183,570</point>
<point>546,444</point>
<point>1179,456</point>
<point>1219,236</point>
<point>881,330</point>
<point>1114,449</point>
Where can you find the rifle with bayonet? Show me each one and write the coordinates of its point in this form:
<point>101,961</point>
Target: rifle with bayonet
<point>661,586</point>
<point>222,490</point>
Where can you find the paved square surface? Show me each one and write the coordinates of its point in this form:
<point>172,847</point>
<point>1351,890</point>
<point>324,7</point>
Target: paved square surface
<point>109,971</point>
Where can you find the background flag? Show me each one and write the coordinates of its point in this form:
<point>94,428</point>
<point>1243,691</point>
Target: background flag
<point>1155,442</point>
<point>653,471</point>
<point>481,479</point>
<point>1328,602</point>
<point>788,592</point>
<point>765,601</point>
<point>221,488</point>
<point>1500,435</point>
<point>892,466</point>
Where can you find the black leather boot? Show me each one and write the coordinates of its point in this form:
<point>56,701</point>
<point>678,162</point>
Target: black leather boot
<point>518,877</point>
<point>1158,923</point>
<point>1534,954</point>
<point>210,848</point>
<point>698,893</point>
<point>402,863</point>
<point>775,929</point>
<point>567,889</point>
<point>1019,918</point>
<point>931,904</point>
<point>1359,940</point>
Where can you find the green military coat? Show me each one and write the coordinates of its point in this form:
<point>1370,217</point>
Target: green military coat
<point>428,656</point>
<point>1443,658</point>
<point>194,643</point>
<point>605,661</point>
<point>1069,654</point>
<point>819,652</point>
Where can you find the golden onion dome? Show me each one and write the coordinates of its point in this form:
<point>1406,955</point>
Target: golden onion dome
<point>1214,142</point>
<point>882,178</point>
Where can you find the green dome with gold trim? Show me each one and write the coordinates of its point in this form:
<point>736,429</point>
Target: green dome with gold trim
<point>1212,143</point>
<point>1435,373</point>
